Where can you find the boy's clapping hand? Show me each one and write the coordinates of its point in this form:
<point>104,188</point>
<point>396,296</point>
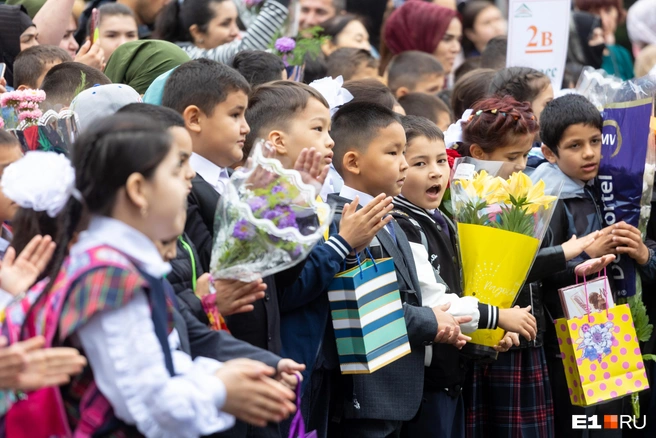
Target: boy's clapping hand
<point>602,245</point>
<point>520,321</point>
<point>448,327</point>
<point>574,247</point>
<point>233,296</point>
<point>358,227</point>
<point>312,163</point>
<point>252,396</point>
<point>628,240</point>
<point>18,274</point>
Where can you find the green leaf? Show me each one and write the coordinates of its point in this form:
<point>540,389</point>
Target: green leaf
<point>83,84</point>
<point>639,313</point>
<point>648,357</point>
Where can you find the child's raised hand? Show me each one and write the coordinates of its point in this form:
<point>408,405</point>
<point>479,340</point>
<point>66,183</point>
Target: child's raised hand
<point>234,296</point>
<point>252,396</point>
<point>603,244</point>
<point>574,247</point>
<point>520,321</point>
<point>593,266</point>
<point>18,274</point>
<point>628,240</point>
<point>509,339</point>
<point>358,227</point>
<point>311,162</point>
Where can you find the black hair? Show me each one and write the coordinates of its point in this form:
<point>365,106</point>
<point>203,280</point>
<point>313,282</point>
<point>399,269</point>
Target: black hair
<point>347,61</point>
<point>332,27</point>
<point>274,105</point>
<point>62,81</point>
<point>356,125</point>
<point>203,83</point>
<point>471,88</point>
<point>166,116</point>
<point>408,68</point>
<point>30,63</point>
<point>561,113</point>
<point>494,54</point>
<point>417,126</point>
<point>7,139</point>
<point>258,67</point>
<point>469,12</point>
<point>315,68</point>
<point>523,83</point>
<point>104,156</point>
<point>470,64</point>
<point>372,91</point>
<point>176,18</point>
<point>424,105</point>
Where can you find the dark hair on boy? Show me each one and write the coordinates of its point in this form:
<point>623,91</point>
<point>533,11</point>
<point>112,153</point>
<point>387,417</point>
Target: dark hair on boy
<point>417,126</point>
<point>356,125</point>
<point>523,83</point>
<point>258,67</point>
<point>273,106</point>
<point>494,54</point>
<point>166,116</point>
<point>561,113</point>
<point>494,122</point>
<point>315,68</point>
<point>203,83</point>
<point>424,105</point>
<point>64,80</point>
<point>470,64</point>
<point>104,156</point>
<point>347,61</point>
<point>111,10</point>
<point>7,139</point>
<point>372,91</point>
<point>469,89</point>
<point>408,68</point>
<point>29,64</point>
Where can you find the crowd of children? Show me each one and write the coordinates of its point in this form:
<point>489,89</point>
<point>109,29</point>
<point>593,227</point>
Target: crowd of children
<point>106,253</point>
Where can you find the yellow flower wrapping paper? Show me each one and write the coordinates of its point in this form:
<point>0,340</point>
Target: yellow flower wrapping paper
<point>601,356</point>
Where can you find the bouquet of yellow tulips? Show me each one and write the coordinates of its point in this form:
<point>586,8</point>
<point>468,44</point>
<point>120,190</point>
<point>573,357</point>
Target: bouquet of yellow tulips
<point>500,222</point>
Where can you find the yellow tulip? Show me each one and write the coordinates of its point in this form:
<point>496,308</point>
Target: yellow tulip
<point>536,198</point>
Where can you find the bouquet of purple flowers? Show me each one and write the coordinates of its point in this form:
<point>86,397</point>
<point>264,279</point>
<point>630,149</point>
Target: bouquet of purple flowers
<point>267,220</point>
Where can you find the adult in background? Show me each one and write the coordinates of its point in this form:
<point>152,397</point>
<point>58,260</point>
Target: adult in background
<point>641,24</point>
<point>17,33</point>
<point>481,21</point>
<point>315,12</point>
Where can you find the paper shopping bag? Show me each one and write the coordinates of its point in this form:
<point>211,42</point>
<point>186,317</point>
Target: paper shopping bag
<point>367,316</point>
<point>601,356</point>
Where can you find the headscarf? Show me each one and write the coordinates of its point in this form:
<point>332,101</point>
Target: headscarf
<point>585,24</point>
<point>101,101</point>
<point>641,22</point>
<point>31,6</point>
<point>138,63</point>
<point>417,25</point>
<point>156,90</point>
<point>13,22</point>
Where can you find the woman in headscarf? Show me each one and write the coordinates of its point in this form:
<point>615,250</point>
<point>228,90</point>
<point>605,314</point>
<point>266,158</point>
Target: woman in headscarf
<point>139,63</point>
<point>17,33</point>
<point>422,26</point>
<point>591,36</point>
<point>641,24</point>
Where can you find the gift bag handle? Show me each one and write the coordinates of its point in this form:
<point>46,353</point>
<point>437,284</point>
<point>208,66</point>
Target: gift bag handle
<point>357,256</point>
<point>587,299</point>
<point>297,428</point>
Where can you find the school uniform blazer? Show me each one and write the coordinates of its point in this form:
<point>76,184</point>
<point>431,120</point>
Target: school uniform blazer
<point>394,392</point>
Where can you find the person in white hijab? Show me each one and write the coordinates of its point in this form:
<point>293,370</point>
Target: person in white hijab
<point>641,24</point>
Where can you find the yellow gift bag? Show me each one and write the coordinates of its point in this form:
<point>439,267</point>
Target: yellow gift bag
<point>601,356</point>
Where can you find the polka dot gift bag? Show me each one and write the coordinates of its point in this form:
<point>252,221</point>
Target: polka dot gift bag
<point>601,355</point>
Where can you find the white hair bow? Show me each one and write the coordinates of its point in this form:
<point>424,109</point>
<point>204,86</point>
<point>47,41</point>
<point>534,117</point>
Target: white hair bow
<point>332,90</point>
<point>453,135</point>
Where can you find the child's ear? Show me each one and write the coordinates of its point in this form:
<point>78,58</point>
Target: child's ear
<point>135,191</point>
<point>196,34</point>
<point>402,91</point>
<point>477,152</point>
<point>351,162</point>
<point>277,139</point>
<point>22,87</point>
<point>548,154</point>
<point>192,115</point>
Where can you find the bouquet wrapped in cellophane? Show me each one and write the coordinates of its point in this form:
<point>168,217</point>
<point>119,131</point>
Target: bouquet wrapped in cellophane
<point>268,219</point>
<point>501,221</point>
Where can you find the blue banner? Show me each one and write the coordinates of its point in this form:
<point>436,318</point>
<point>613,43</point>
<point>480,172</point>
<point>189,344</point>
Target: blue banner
<point>625,141</point>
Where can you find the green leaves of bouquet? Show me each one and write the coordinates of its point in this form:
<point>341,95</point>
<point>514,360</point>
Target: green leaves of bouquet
<point>293,51</point>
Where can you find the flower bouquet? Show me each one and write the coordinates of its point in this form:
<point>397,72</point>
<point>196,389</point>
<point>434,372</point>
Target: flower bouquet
<point>500,224</point>
<point>21,108</point>
<point>267,221</point>
<point>294,51</point>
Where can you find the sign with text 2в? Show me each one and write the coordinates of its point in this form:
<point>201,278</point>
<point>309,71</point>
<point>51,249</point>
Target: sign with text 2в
<point>538,31</point>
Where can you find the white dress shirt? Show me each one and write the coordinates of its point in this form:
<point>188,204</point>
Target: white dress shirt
<point>127,359</point>
<point>215,176</point>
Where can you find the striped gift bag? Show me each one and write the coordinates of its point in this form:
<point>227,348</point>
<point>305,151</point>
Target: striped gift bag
<point>367,316</point>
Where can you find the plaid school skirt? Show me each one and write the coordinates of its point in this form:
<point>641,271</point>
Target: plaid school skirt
<point>510,397</point>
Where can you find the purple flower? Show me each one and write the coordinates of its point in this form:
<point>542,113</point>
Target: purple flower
<point>297,251</point>
<point>243,230</point>
<point>272,214</point>
<point>277,189</point>
<point>256,203</point>
<point>289,220</point>
<point>285,44</point>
